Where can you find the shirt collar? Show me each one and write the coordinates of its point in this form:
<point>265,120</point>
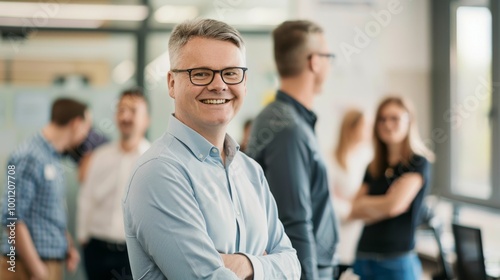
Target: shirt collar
<point>45,143</point>
<point>200,147</point>
<point>309,116</point>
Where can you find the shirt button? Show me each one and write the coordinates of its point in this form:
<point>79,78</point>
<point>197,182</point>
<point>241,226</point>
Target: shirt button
<point>200,156</point>
<point>214,150</point>
<point>237,213</point>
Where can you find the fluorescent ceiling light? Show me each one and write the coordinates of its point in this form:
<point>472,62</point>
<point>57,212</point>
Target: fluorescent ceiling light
<point>42,11</point>
<point>175,14</point>
<point>25,22</point>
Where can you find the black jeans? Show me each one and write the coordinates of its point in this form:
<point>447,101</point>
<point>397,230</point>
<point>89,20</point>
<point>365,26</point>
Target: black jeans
<point>106,261</point>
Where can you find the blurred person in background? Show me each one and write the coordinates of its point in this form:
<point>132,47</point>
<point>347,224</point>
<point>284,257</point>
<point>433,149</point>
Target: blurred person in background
<point>390,198</point>
<point>247,127</point>
<point>284,143</point>
<point>42,242</point>
<point>196,207</point>
<point>100,219</point>
<point>81,154</point>
<point>350,159</point>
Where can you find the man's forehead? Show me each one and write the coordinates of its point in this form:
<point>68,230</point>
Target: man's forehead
<point>131,101</point>
<point>208,53</point>
<point>200,47</point>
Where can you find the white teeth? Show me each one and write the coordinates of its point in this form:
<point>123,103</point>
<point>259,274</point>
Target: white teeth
<point>214,101</point>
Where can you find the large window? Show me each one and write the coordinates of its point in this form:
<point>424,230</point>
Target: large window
<point>471,103</point>
<point>464,104</point>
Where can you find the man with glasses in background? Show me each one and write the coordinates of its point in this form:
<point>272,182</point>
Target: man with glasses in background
<point>283,141</point>
<point>196,207</point>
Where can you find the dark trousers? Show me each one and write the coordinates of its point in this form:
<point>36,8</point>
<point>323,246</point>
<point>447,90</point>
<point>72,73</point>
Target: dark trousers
<point>342,268</point>
<point>106,261</point>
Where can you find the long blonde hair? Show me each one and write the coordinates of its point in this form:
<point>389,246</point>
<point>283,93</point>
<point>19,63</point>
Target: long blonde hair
<point>349,125</point>
<point>412,144</point>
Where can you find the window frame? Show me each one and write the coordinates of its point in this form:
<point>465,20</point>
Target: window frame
<point>443,15</point>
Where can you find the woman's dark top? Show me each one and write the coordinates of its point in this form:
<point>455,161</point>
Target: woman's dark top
<point>396,235</point>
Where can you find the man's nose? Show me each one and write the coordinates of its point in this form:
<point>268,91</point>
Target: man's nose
<point>217,84</point>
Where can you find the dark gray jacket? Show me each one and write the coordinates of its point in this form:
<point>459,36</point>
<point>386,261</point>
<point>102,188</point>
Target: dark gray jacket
<point>283,142</point>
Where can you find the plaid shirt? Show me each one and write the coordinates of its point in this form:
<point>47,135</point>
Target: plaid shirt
<point>39,197</point>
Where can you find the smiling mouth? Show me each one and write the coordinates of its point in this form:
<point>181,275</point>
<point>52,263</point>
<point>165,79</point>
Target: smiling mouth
<point>214,101</point>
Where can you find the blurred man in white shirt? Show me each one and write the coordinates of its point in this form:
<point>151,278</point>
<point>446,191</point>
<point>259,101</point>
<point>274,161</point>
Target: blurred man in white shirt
<point>100,218</point>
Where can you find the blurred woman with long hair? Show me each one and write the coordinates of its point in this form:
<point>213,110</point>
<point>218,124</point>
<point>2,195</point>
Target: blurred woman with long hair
<point>391,196</point>
<point>350,158</point>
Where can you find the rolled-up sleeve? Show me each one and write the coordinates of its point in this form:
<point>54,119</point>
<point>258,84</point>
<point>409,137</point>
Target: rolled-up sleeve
<point>162,213</point>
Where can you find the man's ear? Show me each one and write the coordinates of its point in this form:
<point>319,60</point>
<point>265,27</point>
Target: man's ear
<point>170,83</point>
<point>245,83</point>
<point>75,122</point>
<point>245,79</point>
<point>314,64</point>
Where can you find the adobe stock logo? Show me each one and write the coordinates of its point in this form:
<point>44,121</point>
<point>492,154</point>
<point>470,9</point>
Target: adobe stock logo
<point>363,37</point>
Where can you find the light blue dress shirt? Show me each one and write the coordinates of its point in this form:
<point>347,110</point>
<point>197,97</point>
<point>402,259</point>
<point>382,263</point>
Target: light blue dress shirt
<point>183,207</point>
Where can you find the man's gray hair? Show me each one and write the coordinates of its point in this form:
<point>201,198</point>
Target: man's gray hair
<point>204,28</point>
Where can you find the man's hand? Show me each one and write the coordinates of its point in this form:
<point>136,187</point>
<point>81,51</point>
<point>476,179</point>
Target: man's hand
<point>72,259</point>
<point>239,264</point>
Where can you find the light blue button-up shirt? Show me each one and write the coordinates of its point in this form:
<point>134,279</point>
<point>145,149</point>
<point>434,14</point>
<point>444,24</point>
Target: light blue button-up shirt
<point>183,207</point>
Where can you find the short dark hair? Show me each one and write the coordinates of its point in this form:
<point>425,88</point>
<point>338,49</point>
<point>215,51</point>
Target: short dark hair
<point>64,110</point>
<point>135,92</point>
<point>291,39</point>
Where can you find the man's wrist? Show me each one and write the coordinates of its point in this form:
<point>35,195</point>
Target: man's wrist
<point>256,267</point>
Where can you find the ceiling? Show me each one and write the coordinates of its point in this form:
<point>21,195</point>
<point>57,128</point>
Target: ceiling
<point>257,14</point>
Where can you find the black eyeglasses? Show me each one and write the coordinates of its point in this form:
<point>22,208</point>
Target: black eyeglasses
<point>330,56</point>
<point>204,76</point>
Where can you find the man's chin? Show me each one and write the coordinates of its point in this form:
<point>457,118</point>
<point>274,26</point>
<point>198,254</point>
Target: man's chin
<point>126,136</point>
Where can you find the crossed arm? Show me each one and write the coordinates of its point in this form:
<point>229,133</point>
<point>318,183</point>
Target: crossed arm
<point>397,200</point>
<point>153,212</point>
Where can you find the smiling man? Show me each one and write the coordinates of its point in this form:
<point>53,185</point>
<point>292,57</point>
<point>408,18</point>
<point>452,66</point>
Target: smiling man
<point>196,207</point>
<point>100,219</point>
